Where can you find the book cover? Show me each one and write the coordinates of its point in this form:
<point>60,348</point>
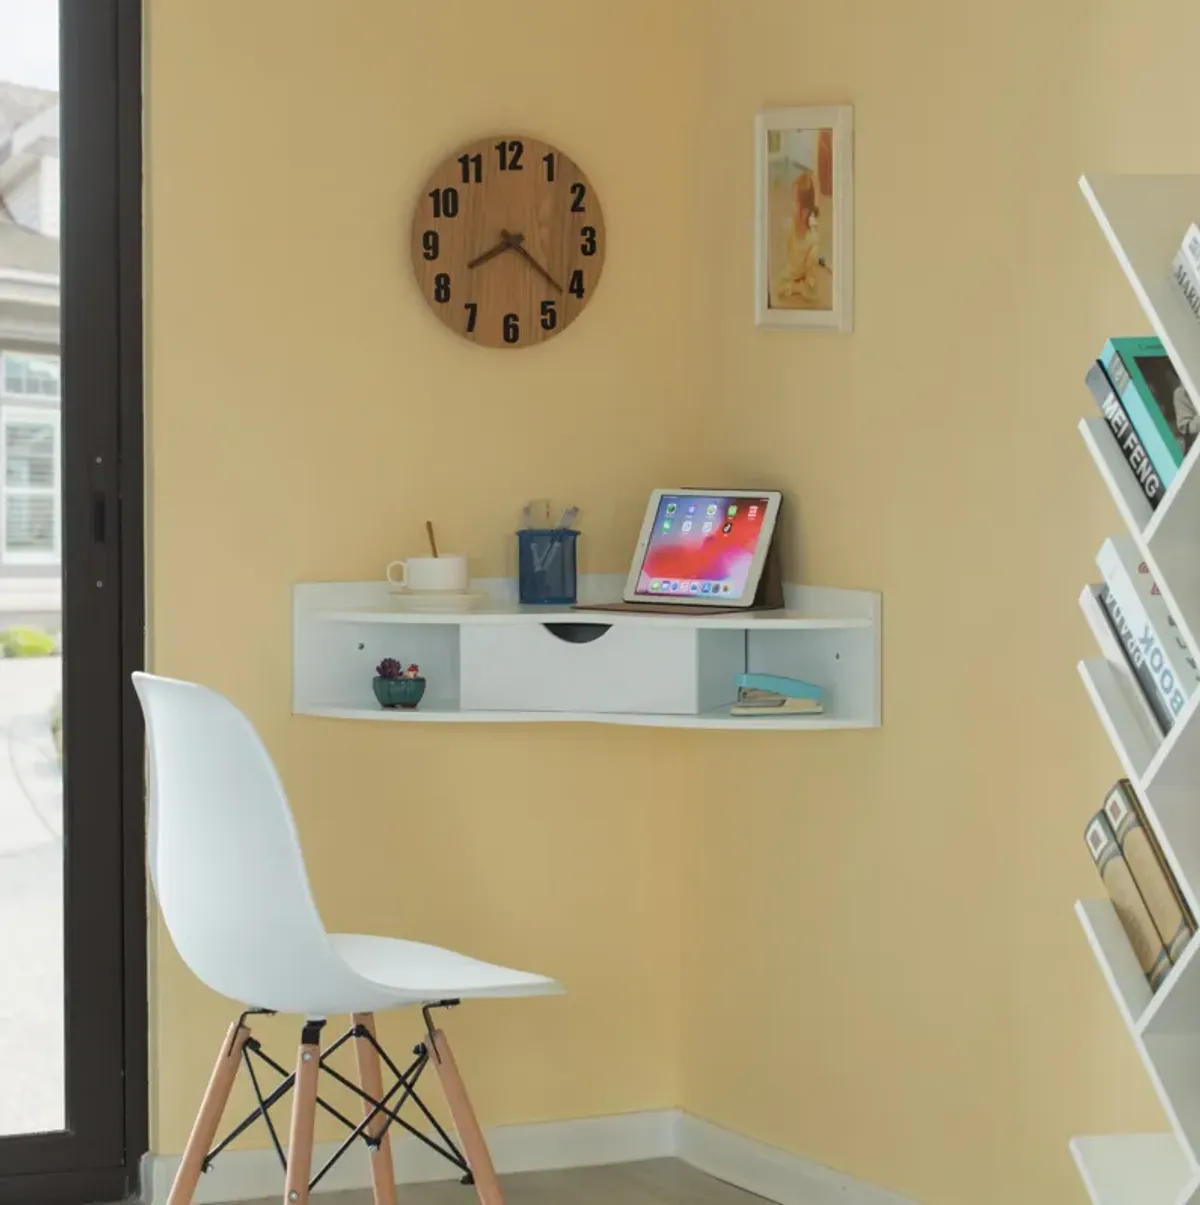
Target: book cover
<point>1127,634</point>
<point>1124,433</point>
<point>1155,882</point>
<point>1159,407</point>
<point>1131,908</point>
<point>1176,658</point>
<point>1137,604</point>
<point>1190,247</point>
<point>1127,660</point>
<point>1189,283</point>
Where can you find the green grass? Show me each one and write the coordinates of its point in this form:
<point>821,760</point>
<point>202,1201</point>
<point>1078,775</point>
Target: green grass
<point>26,642</point>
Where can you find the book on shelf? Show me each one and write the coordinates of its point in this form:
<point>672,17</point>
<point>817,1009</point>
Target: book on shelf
<point>1158,405</point>
<point>1186,278</point>
<point>1125,434</point>
<point>1148,631</point>
<point>1131,909</point>
<point>1112,647</point>
<point>1190,248</point>
<point>1126,636</point>
<point>1156,884</point>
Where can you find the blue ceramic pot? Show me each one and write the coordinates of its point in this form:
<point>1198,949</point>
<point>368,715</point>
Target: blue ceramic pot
<point>399,692</point>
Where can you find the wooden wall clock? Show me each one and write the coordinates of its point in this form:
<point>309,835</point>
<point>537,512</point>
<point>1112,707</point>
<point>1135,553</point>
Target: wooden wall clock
<point>508,241</point>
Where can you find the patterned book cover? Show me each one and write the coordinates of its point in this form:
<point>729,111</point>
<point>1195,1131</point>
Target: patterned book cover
<point>1176,656</point>
<point>1131,908</point>
<point>1127,633</point>
<point>1108,640</point>
<point>1158,405</point>
<point>1144,610</point>
<point>1123,431</point>
<point>1153,877</point>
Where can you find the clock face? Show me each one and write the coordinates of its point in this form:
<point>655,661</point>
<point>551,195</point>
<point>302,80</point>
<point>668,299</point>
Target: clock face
<point>508,241</point>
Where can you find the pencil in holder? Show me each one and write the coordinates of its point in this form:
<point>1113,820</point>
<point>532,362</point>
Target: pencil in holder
<point>546,566</point>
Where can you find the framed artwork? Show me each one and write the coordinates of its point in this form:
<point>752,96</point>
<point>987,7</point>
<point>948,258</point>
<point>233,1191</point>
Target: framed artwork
<point>804,214</point>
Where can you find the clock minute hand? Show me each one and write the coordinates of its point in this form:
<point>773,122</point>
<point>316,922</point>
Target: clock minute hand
<point>506,242</point>
<point>538,267</point>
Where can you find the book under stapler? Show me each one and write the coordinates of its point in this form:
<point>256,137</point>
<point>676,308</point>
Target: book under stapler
<point>773,694</point>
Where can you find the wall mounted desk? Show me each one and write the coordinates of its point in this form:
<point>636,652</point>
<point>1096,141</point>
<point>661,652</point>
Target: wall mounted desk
<point>504,663</point>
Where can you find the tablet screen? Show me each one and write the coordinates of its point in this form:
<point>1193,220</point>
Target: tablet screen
<point>702,546</point>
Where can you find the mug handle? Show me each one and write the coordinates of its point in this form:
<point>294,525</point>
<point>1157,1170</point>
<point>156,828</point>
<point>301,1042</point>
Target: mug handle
<point>403,580</point>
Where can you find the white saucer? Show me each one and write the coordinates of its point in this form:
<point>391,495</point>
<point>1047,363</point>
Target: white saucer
<point>431,600</point>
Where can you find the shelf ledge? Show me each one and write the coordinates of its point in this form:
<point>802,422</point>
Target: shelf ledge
<point>443,714</point>
<point>1135,1169</point>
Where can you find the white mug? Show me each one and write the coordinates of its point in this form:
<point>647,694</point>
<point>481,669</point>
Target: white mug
<point>431,574</point>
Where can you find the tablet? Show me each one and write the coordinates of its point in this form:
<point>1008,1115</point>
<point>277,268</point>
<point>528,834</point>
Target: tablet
<point>703,548</point>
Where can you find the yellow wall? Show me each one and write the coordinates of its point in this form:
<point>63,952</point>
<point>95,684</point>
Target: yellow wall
<point>879,965</point>
<point>904,992</point>
<point>308,414</point>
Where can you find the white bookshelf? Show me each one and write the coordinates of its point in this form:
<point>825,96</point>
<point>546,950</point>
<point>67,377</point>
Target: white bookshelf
<point>500,662</point>
<point>1144,219</point>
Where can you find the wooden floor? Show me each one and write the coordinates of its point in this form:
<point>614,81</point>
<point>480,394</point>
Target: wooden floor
<point>656,1182</point>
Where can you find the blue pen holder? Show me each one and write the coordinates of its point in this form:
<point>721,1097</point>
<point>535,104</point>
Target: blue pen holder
<point>546,566</point>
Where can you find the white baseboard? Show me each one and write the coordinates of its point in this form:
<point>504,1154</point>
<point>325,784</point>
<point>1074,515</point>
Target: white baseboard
<point>769,1171</point>
<point>588,1142</point>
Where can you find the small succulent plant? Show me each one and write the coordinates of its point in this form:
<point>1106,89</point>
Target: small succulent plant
<point>389,667</point>
<point>413,671</point>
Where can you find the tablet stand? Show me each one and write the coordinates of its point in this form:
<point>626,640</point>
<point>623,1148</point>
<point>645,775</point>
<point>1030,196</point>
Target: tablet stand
<point>769,595</point>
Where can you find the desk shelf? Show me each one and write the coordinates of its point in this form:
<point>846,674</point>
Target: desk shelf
<point>669,670</point>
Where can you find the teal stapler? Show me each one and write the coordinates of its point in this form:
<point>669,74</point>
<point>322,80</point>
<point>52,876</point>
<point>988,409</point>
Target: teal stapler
<point>773,694</point>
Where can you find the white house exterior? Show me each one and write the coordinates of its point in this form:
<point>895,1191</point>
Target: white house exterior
<point>30,376</point>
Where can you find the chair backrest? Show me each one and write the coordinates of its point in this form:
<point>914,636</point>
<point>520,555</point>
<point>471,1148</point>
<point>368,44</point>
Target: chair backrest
<point>224,854</point>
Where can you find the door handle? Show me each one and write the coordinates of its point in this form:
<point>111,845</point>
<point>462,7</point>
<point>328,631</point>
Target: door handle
<point>99,516</point>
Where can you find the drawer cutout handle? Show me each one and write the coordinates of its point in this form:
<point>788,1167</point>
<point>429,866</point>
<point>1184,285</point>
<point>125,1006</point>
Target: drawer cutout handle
<point>577,633</point>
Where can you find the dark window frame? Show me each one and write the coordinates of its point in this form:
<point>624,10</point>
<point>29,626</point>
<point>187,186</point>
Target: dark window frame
<point>98,1158</point>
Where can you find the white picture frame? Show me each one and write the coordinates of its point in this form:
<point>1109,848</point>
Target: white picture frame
<point>804,173</point>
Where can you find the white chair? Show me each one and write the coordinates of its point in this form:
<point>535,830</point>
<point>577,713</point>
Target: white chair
<point>228,871</point>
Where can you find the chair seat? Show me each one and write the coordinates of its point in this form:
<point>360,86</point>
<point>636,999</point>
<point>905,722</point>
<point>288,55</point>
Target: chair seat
<point>417,972</point>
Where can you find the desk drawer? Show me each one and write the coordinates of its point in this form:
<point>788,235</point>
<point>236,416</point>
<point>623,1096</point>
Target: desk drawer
<point>596,667</point>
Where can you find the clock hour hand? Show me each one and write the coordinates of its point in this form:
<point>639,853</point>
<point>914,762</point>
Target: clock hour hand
<point>506,242</point>
<point>516,246</point>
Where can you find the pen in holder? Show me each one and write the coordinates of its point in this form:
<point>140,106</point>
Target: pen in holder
<point>546,565</point>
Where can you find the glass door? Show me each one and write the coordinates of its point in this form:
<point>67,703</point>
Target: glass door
<point>72,910</point>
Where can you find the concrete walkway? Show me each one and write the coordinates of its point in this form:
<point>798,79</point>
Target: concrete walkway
<point>31,993</point>
<point>31,908</point>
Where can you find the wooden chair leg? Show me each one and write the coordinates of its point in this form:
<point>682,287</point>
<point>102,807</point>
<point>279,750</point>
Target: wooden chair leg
<point>204,1129</point>
<point>304,1118</point>
<point>383,1176</point>
<point>470,1135</point>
